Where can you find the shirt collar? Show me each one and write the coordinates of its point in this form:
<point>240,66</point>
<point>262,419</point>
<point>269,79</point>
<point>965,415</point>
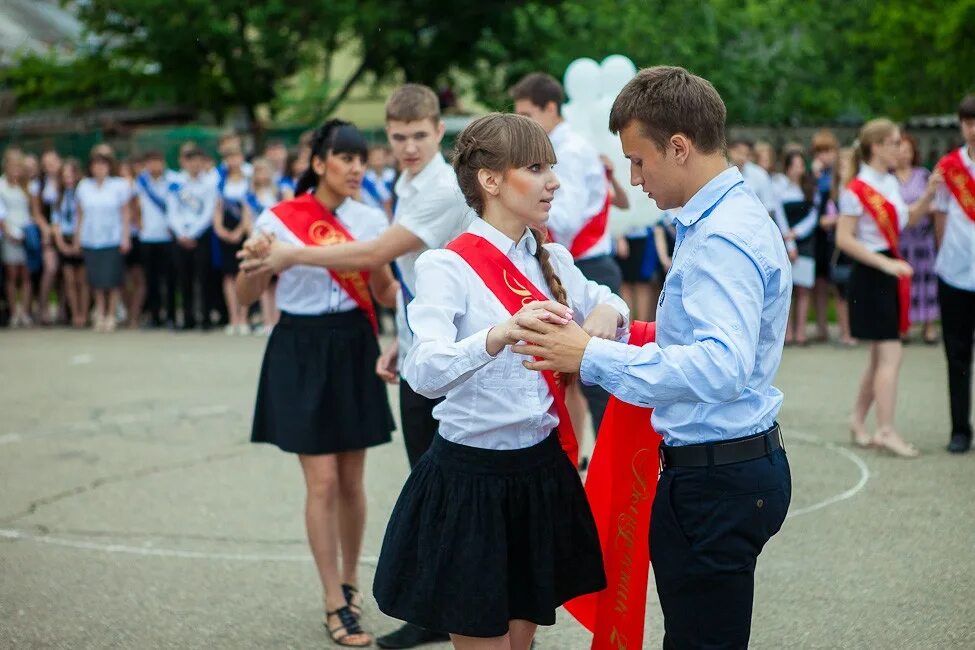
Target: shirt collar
<point>871,175</point>
<point>560,132</point>
<point>408,184</point>
<point>501,241</point>
<point>708,196</point>
<point>965,158</point>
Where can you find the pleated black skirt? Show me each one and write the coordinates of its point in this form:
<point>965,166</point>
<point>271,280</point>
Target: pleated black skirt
<point>318,391</point>
<point>872,295</point>
<point>480,537</point>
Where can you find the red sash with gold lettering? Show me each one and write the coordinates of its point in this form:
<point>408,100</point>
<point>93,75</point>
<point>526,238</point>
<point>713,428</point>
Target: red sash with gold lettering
<point>884,215</point>
<point>514,290</point>
<point>592,232</point>
<point>315,225</point>
<point>621,484</point>
<point>960,181</point>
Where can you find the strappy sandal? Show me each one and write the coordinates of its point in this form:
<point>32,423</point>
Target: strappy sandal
<point>348,627</point>
<point>353,597</point>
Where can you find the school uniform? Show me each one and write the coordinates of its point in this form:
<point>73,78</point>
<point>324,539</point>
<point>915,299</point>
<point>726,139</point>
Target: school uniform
<point>234,195</point>
<point>157,245</point>
<point>190,203</point>
<point>16,204</point>
<point>64,217</point>
<point>101,229</point>
<point>872,294</point>
<point>318,391</point>
<point>495,484</point>
<point>375,192</point>
<point>761,184</point>
<point>801,216</point>
<point>431,206</point>
<point>582,196</point>
<point>955,266</point>
<point>725,484</point>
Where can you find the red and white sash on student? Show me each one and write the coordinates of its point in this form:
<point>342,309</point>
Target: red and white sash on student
<point>315,225</point>
<point>593,231</point>
<point>959,181</point>
<point>514,290</point>
<point>884,215</point>
<point>621,485</point>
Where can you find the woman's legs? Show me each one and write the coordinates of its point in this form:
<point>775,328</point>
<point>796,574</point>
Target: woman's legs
<point>521,634</point>
<point>803,296</point>
<point>84,297</point>
<point>11,275</point>
<point>48,278</point>
<point>136,294</point>
<point>890,354</point>
<point>821,293</point>
<point>236,313</point>
<point>865,397</point>
<point>71,292</point>
<point>114,295</point>
<point>519,637</point>
<point>101,297</point>
<point>843,319</point>
<point>351,511</point>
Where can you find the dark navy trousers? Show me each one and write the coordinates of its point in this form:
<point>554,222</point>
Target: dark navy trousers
<point>708,528</point>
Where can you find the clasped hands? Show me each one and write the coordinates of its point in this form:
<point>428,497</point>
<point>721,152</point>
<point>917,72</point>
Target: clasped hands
<point>546,331</point>
<point>265,253</point>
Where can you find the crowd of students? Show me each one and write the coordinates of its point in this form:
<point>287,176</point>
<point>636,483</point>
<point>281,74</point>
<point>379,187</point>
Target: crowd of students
<point>107,242</point>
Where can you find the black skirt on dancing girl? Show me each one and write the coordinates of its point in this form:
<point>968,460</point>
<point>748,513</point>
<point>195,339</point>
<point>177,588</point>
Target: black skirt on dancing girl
<point>479,537</point>
<point>874,303</point>
<point>318,391</point>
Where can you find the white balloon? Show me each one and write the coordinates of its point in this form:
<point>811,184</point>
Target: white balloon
<point>582,81</point>
<point>615,71</point>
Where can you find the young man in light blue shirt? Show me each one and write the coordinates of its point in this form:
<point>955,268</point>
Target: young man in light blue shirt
<point>725,486</point>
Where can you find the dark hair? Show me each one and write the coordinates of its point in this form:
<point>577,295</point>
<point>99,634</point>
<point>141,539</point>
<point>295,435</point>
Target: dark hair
<point>915,154</point>
<point>966,109</point>
<point>153,154</point>
<point>666,100</point>
<point>540,89</point>
<point>805,181</point>
<point>69,163</point>
<point>412,103</point>
<point>335,136</point>
<point>739,140</point>
<point>102,158</point>
<point>499,142</point>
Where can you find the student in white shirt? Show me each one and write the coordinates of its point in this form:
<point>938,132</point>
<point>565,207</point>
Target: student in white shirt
<point>430,211</point>
<point>263,193</point>
<point>875,308</point>
<point>375,191</point>
<point>756,178</point>
<point>104,229</point>
<point>319,396</point>
<point>230,226</point>
<point>797,208</point>
<point>151,189</point>
<point>15,202</point>
<point>575,220</point>
<point>42,203</point>
<point>190,203</point>
<point>955,266</point>
<point>64,223</point>
<point>496,484</point>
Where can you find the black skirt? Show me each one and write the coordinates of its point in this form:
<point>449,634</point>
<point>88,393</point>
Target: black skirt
<point>872,295</point>
<point>103,266</point>
<point>318,391</point>
<point>134,256</point>
<point>480,537</point>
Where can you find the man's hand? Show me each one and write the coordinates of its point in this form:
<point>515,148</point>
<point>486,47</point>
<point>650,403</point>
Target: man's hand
<point>278,258</point>
<point>386,364</point>
<point>548,311</point>
<point>560,347</point>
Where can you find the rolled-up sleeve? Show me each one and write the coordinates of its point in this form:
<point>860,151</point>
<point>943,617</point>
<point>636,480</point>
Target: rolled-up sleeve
<point>723,296</point>
<point>438,362</point>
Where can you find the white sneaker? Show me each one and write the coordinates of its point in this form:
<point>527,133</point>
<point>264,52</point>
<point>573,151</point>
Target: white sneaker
<point>229,330</point>
<point>244,330</point>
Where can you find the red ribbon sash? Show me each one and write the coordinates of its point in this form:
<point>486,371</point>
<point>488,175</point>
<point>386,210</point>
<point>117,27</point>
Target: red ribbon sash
<point>315,225</point>
<point>884,215</point>
<point>592,232</point>
<point>959,181</point>
<point>621,484</point>
<point>514,290</point>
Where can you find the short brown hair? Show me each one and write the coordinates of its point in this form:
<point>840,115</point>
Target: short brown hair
<point>824,140</point>
<point>666,100</point>
<point>412,103</point>
<point>540,89</point>
<point>966,109</point>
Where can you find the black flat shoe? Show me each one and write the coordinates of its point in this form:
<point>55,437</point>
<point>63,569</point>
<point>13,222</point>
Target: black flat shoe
<point>410,636</point>
<point>960,443</point>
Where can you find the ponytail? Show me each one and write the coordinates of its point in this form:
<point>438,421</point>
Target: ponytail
<point>553,281</point>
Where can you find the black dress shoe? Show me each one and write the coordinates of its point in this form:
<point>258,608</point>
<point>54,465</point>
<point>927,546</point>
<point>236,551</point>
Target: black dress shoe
<point>410,636</point>
<point>960,443</point>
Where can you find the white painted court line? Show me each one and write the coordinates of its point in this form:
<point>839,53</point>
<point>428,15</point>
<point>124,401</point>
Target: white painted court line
<point>152,551</point>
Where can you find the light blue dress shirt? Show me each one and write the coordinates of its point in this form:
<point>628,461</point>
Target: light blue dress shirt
<point>721,324</point>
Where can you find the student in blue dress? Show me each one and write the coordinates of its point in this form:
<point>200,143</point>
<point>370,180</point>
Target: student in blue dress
<point>64,224</point>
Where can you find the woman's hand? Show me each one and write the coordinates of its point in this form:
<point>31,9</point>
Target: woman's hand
<point>897,268</point>
<point>603,322</point>
<point>257,247</point>
<point>126,245</point>
<point>277,258</point>
<point>547,311</point>
<point>386,364</point>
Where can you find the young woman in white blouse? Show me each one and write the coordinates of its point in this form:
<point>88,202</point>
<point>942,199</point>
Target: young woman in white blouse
<point>492,531</point>
<point>797,209</point>
<point>319,396</point>
<point>64,222</point>
<point>872,214</point>
<point>16,217</point>
<point>103,222</point>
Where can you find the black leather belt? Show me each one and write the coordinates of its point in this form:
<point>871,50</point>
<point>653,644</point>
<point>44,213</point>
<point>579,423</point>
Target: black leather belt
<point>722,453</point>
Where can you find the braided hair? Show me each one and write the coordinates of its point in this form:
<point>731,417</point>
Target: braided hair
<point>334,136</point>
